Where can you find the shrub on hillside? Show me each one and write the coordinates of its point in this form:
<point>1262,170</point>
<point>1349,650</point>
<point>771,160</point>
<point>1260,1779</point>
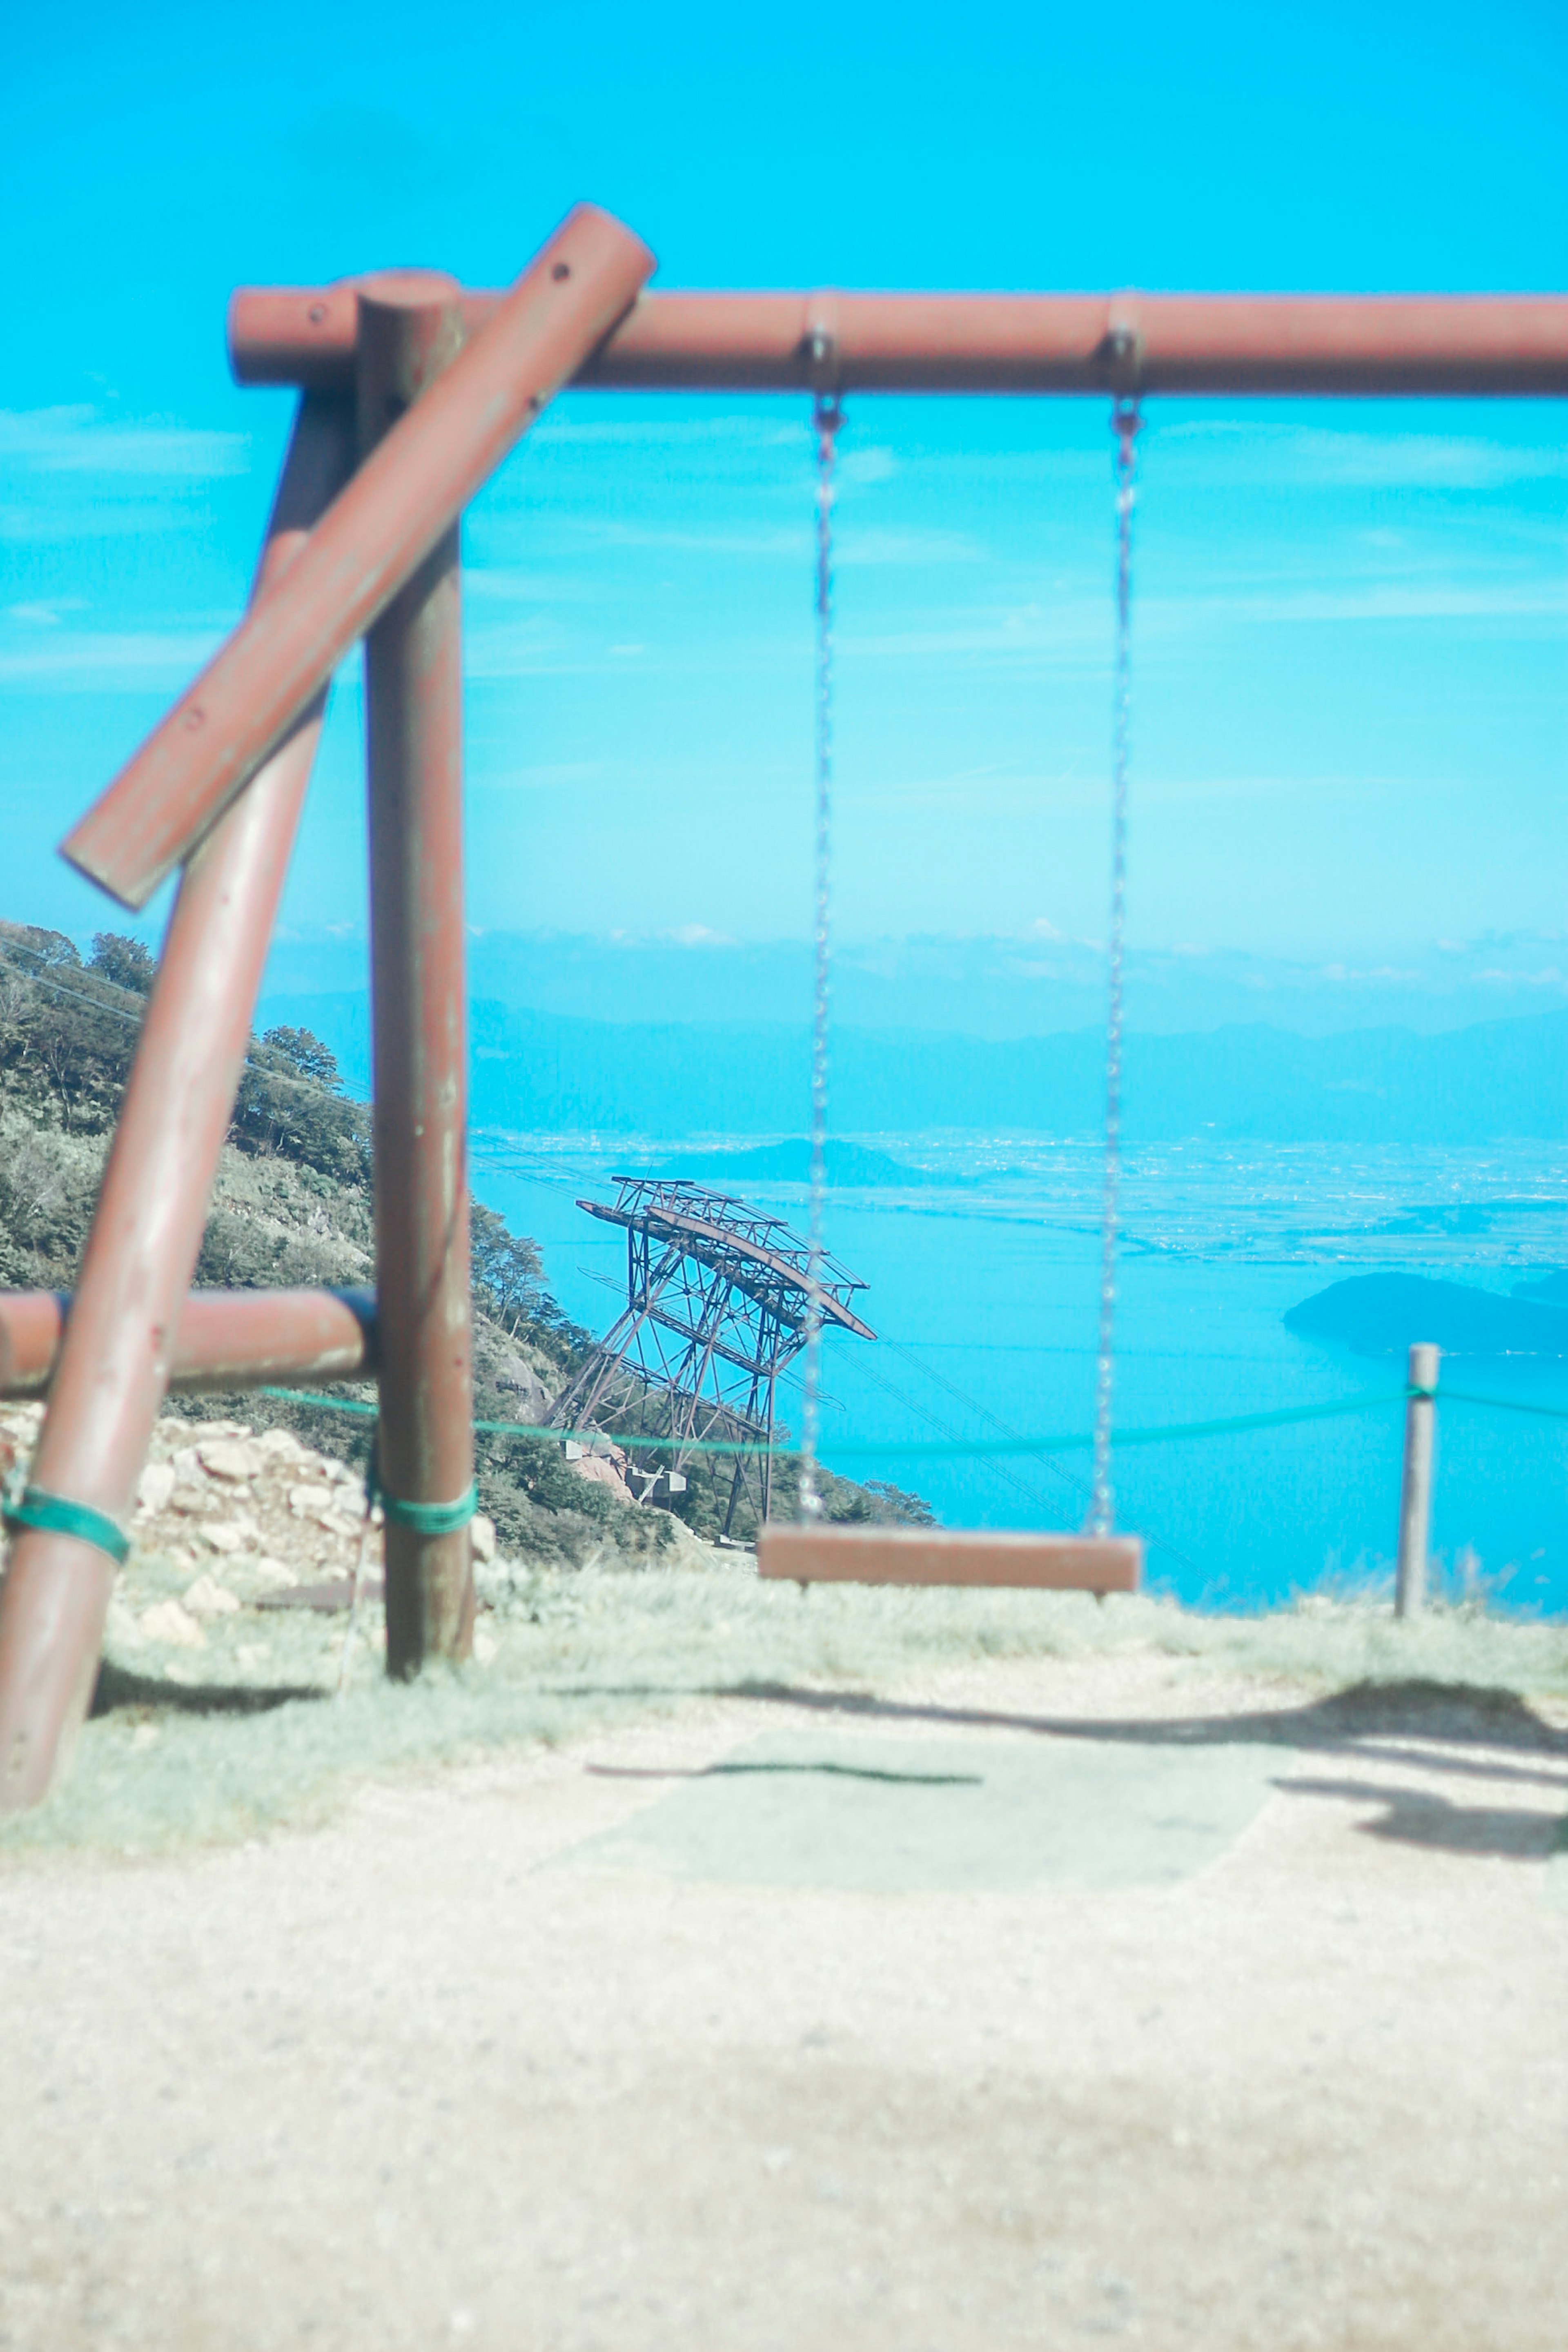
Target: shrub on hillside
<point>48,1181</point>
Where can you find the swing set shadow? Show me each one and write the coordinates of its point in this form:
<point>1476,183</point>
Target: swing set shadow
<point>1468,1735</point>
<point>412,390</point>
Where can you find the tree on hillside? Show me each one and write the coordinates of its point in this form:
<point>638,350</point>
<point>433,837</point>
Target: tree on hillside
<point>302,1051</point>
<point>123,963</point>
<point>62,1047</point>
<point>508,1271</point>
<point>291,1103</point>
<point>40,948</point>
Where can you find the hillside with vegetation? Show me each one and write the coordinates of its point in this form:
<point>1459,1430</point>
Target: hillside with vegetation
<point>291,1205</point>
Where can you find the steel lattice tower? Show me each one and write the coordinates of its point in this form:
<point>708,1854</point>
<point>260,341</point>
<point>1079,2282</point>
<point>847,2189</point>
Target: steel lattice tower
<point>718,1303</point>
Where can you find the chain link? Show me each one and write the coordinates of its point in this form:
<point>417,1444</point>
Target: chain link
<point>827,418</point>
<point>1124,424</point>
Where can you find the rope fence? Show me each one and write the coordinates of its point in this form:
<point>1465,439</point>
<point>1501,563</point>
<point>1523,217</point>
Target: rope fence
<point>922,1449</point>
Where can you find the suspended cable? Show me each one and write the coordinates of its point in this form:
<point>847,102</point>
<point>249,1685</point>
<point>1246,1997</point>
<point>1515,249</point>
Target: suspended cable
<point>1047,1461</point>
<point>973,1405</point>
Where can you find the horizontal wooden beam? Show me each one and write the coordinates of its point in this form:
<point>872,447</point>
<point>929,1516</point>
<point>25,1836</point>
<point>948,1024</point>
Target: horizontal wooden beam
<point>1330,344</point>
<point>223,1339</point>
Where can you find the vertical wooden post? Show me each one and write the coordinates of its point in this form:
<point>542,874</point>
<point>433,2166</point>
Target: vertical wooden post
<point>410,330</point>
<point>1415,1489</point>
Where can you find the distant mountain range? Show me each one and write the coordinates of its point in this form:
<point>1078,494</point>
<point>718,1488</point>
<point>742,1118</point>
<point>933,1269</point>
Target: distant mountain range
<point>1034,984</point>
<point>553,1073</point>
<point>848,1166</point>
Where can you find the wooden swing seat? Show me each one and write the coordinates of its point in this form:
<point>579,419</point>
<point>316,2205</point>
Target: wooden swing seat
<point>837,1554</point>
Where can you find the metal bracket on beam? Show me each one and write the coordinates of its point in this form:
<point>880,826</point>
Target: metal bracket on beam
<point>819,344</point>
<point>1123,346</point>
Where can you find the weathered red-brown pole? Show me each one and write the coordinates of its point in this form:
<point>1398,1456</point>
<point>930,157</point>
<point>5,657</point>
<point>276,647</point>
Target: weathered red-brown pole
<point>1188,343</point>
<point>113,1366</point>
<point>410,492</point>
<point>223,1339</point>
<point>410,331</point>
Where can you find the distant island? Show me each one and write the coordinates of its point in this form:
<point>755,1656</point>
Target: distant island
<point>1383,1314</point>
<point>1547,1290</point>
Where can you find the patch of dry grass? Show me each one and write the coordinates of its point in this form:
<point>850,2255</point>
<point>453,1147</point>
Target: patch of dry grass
<point>243,1735</point>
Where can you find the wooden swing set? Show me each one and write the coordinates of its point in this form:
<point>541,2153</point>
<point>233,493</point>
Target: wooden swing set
<point>412,390</point>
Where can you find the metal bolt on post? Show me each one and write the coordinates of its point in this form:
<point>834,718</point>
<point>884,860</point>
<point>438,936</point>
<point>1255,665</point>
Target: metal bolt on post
<point>1416,1490</point>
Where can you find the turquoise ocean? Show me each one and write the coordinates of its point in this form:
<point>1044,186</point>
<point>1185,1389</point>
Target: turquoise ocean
<point>982,1273</point>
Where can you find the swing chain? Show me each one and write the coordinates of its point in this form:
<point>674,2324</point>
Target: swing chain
<point>827,415</point>
<point>1124,423</point>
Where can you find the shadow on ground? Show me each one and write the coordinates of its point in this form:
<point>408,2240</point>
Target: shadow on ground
<point>1415,1724</point>
<point>117,1691</point>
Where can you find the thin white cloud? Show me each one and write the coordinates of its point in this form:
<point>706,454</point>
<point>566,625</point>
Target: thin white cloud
<point>578,537</point>
<point>1383,600</point>
<point>1073,629</point>
<point>1075,632</point>
<point>80,439</point>
<point>544,584</point>
<point>1246,453</point>
<point>697,935</point>
<point>674,433</point>
<point>531,647</point>
<point>107,660</point>
<point>592,531</point>
<point>862,550</point>
<point>67,521</point>
<point>45,617</point>
<point>1345,975</point>
<point>546,776</point>
<point>861,468</point>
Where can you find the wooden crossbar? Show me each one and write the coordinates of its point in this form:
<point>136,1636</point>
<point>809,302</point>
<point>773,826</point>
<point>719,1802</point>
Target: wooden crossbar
<point>223,1339</point>
<point>861,1555</point>
<point>1313,344</point>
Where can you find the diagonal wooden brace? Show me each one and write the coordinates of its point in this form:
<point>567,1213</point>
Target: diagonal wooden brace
<point>408,492</point>
<point>115,1352</point>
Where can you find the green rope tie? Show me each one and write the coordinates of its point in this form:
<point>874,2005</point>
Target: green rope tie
<point>424,1518</point>
<point>56,1515</point>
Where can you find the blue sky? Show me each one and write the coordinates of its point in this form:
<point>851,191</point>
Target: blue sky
<point>1352,723</point>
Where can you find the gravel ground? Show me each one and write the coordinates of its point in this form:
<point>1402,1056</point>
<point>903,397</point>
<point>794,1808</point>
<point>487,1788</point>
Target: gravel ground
<point>529,2052</point>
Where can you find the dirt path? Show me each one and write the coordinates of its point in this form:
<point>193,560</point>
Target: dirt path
<point>1046,2001</point>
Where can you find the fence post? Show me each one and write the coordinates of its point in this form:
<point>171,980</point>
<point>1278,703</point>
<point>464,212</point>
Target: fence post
<point>1416,1488</point>
<point>410,331</point>
<point>114,1358</point>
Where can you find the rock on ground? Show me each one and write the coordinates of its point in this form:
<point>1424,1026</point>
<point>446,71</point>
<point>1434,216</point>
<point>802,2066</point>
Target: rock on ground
<point>226,1519</point>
